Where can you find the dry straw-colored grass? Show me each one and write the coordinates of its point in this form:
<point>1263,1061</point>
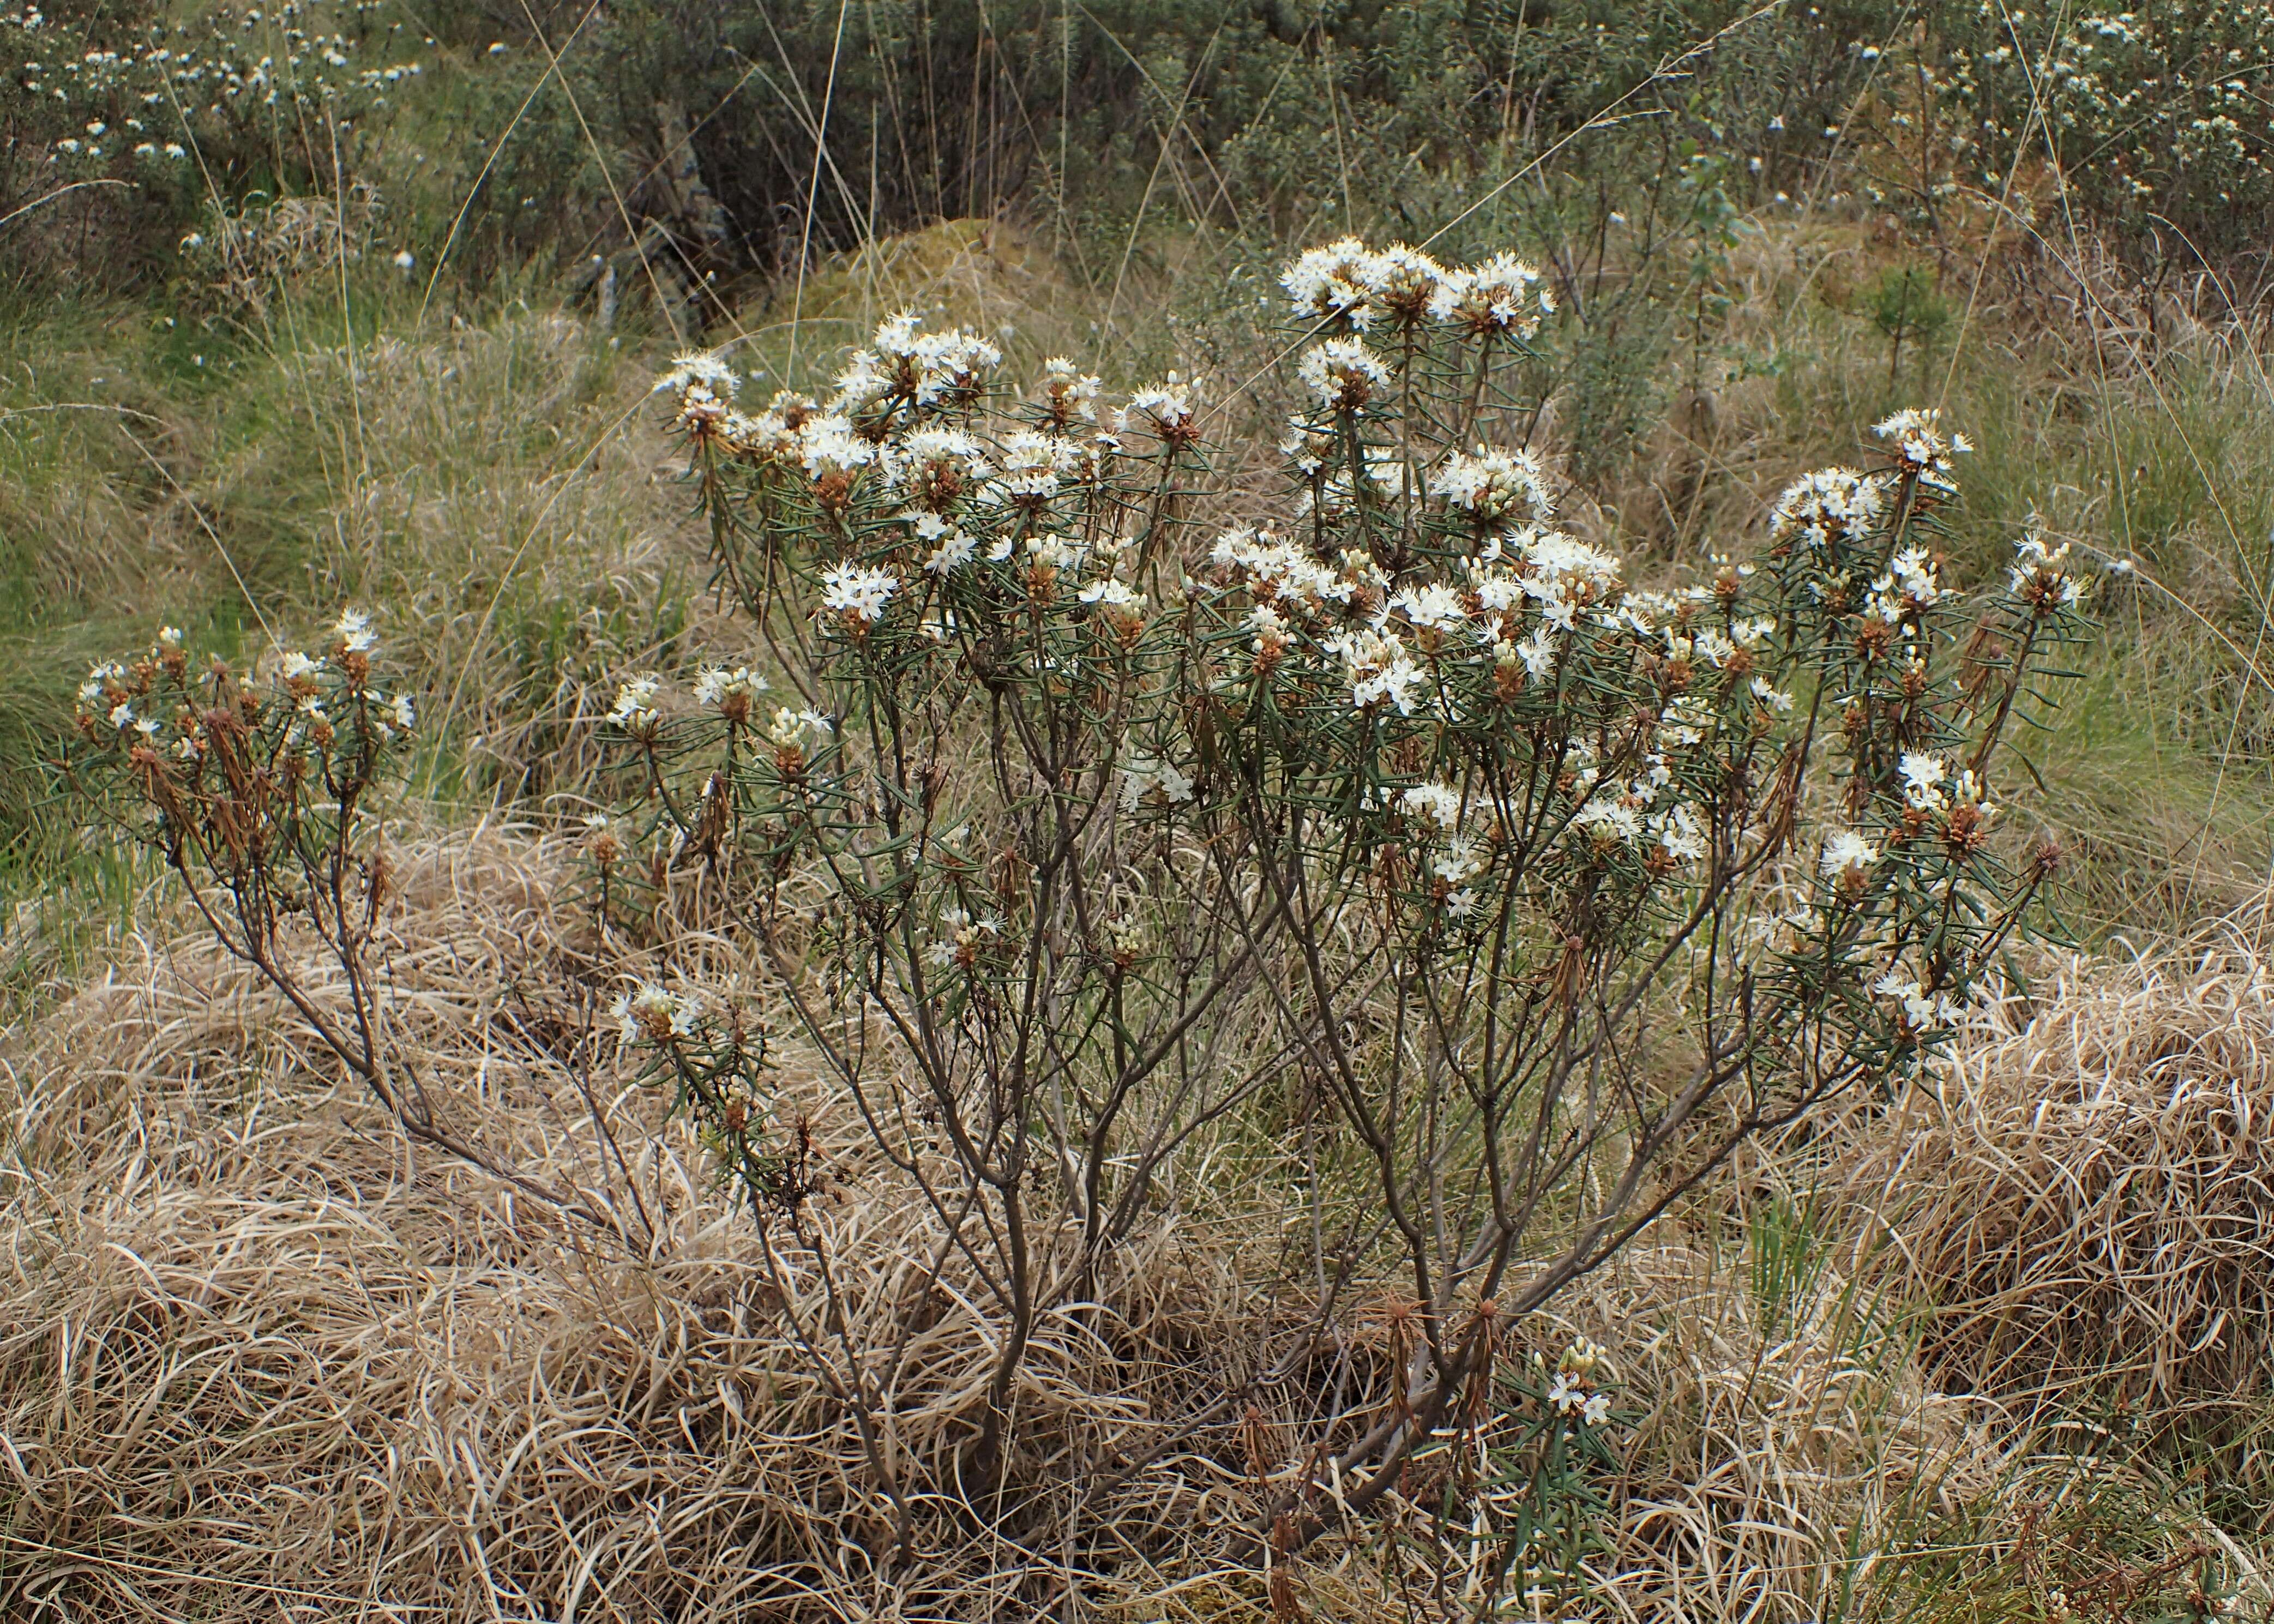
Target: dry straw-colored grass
<point>259,1361</point>
<point>2090,1199</point>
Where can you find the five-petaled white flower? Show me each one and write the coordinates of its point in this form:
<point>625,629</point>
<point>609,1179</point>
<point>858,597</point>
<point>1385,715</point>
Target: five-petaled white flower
<point>1846,852</point>
<point>858,593</point>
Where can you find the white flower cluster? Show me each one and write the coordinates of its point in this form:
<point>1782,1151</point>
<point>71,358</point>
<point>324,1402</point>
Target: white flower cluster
<point>731,693</point>
<point>1341,375</point>
<point>1495,488</point>
<point>1907,589</point>
<point>1848,857</point>
<point>2042,578</point>
<point>1070,394</point>
<point>634,710</point>
<point>1166,409</point>
<point>1284,579</point>
<point>1828,512</point>
<point>857,595</point>
<point>186,88</point>
<point>1348,282</point>
<point>652,1013</point>
<point>1516,606</point>
<point>1150,784</point>
<point>1922,1011</point>
<point>1574,1390</point>
<point>321,693</point>
<point>906,366</point>
<point>1930,786</point>
<point>963,940</point>
<point>1921,447</point>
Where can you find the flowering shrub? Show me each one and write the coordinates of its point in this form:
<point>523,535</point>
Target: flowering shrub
<point>256,789</point>
<point>1076,828</point>
<point>1072,823</point>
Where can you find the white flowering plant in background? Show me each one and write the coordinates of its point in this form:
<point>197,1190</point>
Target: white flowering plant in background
<point>169,105</point>
<point>1074,822</point>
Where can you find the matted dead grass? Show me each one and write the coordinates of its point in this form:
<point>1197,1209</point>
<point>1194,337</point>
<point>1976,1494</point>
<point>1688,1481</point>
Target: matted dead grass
<point>2089,1199</point>
<point>259,1360</point>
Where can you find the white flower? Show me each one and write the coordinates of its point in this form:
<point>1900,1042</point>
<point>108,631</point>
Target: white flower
<point>655,1013</point>
<point>731,693</point>
<point>1070,391</point>
<point>1565,1396</point>
<point>1434,607</point>
<point>1167,406</point>
<point>1827,510</point>
<point>1113,595</point>
<point>99,677</point>
<point>697,369</point>
<point>1500,299</point>
<point>1338,280</point>
<point>933,458</point>
<point>399,710</point>
<point>1596,1411</point>
<point>828,445</point>
<point>858,593</point>
<point>2040,577</point>
<point>297,667</point>
<point>864,381</point>
<point>1846,852</point>
<point>404,260</point>
<point>1906,590</point>
<point>1439,802</point>
<point>1923,776</point>
<point>1609,820</point>
<point>1054,551</point>
<point>1495,487</point>
<point>951,364</point>
<point>797,729</point>
<point>1538,652</point>
<point>1279,575</point>
<point>955,551</point>
<point>964,938</point>
<point>1459,860</point>
<point>635,711</point>
<point>1405,281</point>
<point>1342,374</point>
<point>1378,669</point>
<point>1920,447</point>
<point>1148,781</point>
<point>353,630</point>
<point>1678,832</point>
